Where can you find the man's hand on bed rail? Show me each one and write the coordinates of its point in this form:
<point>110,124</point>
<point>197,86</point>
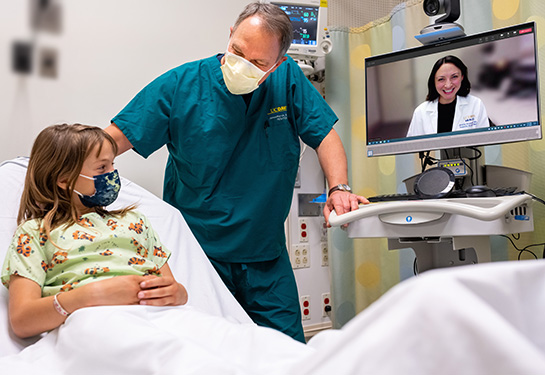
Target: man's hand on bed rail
<point>162,290</point>
<point>342,202</point>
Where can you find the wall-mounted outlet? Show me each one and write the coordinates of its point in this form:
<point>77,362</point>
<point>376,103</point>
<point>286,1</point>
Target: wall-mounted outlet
<point>323,232</point>
<point>303,230</point>
<point>324,252</point>
<point>326,305</point>
<point>295,256</point>
<point>305,307</point>
<point>305,256</point>
<point>300,256</point>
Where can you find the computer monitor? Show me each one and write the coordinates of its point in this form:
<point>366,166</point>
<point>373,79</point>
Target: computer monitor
<point>502,69</point>
<point>311,37</point>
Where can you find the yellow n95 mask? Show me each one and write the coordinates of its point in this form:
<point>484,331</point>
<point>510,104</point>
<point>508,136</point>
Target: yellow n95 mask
<point>241,76</point>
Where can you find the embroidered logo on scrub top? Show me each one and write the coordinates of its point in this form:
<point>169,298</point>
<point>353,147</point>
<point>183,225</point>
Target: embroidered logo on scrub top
<point>278,113</point>
<point>469,121</point>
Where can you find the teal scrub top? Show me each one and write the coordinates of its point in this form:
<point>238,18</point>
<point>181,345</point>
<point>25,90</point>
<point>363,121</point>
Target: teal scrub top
<point>231,167</point>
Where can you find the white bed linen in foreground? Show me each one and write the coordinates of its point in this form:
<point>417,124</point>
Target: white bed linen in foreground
<point>482,319</point>
<point>152,340</point>
<point>479,319</point>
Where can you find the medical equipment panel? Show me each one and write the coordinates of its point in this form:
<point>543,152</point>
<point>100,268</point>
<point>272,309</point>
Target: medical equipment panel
<point>311,38</point>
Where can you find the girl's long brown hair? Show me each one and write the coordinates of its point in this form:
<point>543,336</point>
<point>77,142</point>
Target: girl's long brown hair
<point>58,153</point>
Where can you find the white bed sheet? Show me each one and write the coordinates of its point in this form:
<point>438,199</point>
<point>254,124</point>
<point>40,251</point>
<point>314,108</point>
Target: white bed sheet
<point>482,319</point>
<point>471,320</point>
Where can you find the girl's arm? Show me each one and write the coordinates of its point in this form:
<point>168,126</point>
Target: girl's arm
<point>31,314</point>
<point>162,290</point>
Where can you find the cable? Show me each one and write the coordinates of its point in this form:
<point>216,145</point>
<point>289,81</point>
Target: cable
<point>472,158</point>
<point>476,150</point>
<point>534,197</point>
<point>426,160</point>
<point>470,170</point>
<point>422,161</point>
<point>525,249</point>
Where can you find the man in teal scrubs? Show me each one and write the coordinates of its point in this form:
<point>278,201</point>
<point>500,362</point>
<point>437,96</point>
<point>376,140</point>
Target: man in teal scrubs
<point>232,124</point>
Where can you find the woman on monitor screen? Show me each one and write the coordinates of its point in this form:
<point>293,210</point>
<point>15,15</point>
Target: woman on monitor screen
<point>448,106</point>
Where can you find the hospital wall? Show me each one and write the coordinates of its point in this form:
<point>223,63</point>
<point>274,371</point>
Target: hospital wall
<point>106,52</point>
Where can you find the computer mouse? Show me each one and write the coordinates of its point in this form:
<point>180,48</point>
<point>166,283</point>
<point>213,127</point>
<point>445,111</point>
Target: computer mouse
<point>480,191</point>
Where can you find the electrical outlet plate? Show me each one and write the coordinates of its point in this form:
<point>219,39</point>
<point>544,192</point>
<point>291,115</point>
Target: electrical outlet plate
<point>323,234</point>
<point>300,256</point>
<point>324,253</point>
<point>326,301</point>
<point>305,307</point>
<point>305,256</point>
<point>303,230</point>
<point>295,256</point>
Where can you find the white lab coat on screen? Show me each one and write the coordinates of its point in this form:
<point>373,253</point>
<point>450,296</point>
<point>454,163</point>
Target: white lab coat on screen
<point>470,113</point>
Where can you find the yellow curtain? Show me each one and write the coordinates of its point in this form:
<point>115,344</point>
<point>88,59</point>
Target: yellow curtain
<point>364,269</point>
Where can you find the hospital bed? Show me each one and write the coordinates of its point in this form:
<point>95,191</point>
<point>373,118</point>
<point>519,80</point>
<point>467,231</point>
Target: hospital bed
<point>480,319</point>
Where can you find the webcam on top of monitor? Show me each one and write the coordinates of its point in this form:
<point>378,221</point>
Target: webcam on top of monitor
<point>444,27</point>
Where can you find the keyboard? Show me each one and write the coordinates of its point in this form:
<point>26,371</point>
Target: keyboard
<point>499,192</point>
<point>393,197</point>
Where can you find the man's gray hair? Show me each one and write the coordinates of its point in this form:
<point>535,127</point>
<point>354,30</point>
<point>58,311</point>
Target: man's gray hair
<point>275,20</point>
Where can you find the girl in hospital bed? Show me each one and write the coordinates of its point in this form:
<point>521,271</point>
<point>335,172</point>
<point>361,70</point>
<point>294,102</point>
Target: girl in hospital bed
<point>68,247</point>
<point>448,106</point>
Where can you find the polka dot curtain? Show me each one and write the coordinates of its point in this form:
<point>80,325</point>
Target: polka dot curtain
<point>364,269</point>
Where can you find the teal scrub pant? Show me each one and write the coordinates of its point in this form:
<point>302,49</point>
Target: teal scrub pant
<point>267,291</point>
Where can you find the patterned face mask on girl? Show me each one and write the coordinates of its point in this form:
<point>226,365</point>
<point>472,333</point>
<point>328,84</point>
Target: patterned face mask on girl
<point>107,188</point>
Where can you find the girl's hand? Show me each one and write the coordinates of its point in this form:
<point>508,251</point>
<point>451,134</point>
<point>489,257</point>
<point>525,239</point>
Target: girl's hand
<point>162,290</point>
<point>119,290</point>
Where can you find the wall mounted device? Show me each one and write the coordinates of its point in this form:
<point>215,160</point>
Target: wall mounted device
<point>46,16</point>
<point>311,37</point>
<point>21,57</point>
